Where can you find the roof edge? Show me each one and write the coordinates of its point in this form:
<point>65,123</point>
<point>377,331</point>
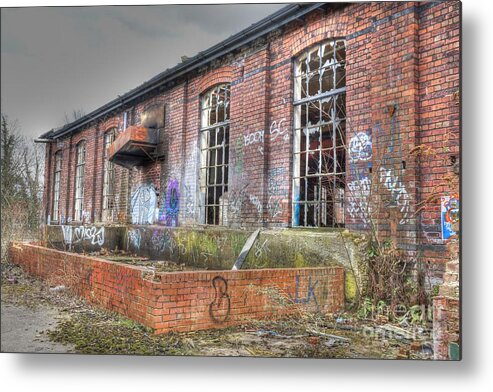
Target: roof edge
<point>264,26</point>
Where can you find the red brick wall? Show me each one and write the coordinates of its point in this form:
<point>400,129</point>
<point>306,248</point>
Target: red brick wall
<point>439,119</point>
<point>186,301</point>
<point>402,82</point>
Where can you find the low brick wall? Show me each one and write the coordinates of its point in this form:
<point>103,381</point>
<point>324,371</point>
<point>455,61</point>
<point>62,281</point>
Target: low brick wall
<point>186,301</point>
<point>446,324</point>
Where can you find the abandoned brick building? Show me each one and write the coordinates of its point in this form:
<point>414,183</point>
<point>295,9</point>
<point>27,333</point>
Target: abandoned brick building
<point>327,115</point>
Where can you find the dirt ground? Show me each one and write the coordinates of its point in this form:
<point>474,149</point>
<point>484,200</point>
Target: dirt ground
<point>38,318</point>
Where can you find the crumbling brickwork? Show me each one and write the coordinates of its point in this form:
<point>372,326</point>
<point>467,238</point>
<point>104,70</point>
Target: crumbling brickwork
<point>446,323</point>
<point>186,301</point>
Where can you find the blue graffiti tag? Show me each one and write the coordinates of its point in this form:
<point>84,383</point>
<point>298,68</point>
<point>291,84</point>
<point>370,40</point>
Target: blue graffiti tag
<point>310,292</point>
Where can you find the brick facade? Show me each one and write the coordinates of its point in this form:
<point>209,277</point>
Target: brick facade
<point>402,89</point>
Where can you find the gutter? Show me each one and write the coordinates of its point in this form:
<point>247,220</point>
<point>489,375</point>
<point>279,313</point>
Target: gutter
<point>264,26</point>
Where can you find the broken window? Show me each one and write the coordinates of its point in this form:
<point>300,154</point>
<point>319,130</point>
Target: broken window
<point>79,180</point>
<point>108,178</point>
<point>320,133</point>
<point>56,185</point>
<point>214,145</point>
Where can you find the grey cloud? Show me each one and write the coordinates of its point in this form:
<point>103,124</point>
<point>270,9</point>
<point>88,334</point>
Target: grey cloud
<point>55,60</point>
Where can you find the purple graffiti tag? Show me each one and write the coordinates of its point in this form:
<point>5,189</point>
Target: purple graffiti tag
<point>172,204</point>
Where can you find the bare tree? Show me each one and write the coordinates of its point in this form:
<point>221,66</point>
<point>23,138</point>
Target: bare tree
<point>74,115</point>
<point>21,184</point>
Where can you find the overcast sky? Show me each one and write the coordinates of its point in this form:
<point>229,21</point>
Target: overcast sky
<point>55,60</point>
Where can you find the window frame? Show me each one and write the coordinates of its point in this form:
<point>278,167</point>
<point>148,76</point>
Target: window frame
<point>319,189</point>
<point>57,174</point>
<point>215,127</point>
<point>81,152</point>
<point>108,195</point>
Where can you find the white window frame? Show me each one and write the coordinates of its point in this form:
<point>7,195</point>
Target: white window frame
<point>56,185</point>
<point>79,180</point>
<point>319,153</point>
<point>214,154</point>
<point>108,207</point>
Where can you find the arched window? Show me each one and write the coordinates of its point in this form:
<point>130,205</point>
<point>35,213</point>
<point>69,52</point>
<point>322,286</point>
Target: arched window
<point>320,132</point>
<point>108,177</point>
<point>56,185</point>
<point>79,180</point>
<point>214,145</point>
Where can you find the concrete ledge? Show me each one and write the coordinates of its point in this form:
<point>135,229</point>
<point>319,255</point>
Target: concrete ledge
<point>186,301</point>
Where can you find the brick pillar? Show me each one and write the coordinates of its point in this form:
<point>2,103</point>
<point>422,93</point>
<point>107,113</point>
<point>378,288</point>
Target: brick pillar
<point>249,117</point>
<point>393,100</point>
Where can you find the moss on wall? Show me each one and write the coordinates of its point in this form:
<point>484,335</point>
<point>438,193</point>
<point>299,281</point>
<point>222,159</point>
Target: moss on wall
<point>218,248</point>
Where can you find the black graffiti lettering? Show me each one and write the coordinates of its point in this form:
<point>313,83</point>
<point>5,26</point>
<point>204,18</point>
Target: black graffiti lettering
<point>220,307</point>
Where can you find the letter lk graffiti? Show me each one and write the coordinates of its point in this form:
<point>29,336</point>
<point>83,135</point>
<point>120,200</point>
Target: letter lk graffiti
<point>309,295</point>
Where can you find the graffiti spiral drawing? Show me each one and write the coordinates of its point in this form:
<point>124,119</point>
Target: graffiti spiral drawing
<point>450,207</point>
<point>220,307</point>
<point>143,205</point>
<point>172,204</point>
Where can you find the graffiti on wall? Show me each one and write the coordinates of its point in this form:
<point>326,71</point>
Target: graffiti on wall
<point>220,306</point>
<point>390,176</point>
<point>239,155</point>
<point>171,204</point>
<point>163,240</point>
<point>360,147</point>
<point>134,238</point>
<point>258,206</point>
<point>395,185</point>
<point>449,209</point>
<point>274,206</point>
<point>261,248</point>
<point>86,217</point>
<point>277,130</point>
<point>143,205</point>
<point>67,234</point>
<point>189,201</point>
<point>73,235</point>
<point>359,189</point>
<point>310,292</point>
<point>189,184</point>
<point>276,191</point>
<point>236,200</point>
<point>359,198</point>
<point>256,137</point>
